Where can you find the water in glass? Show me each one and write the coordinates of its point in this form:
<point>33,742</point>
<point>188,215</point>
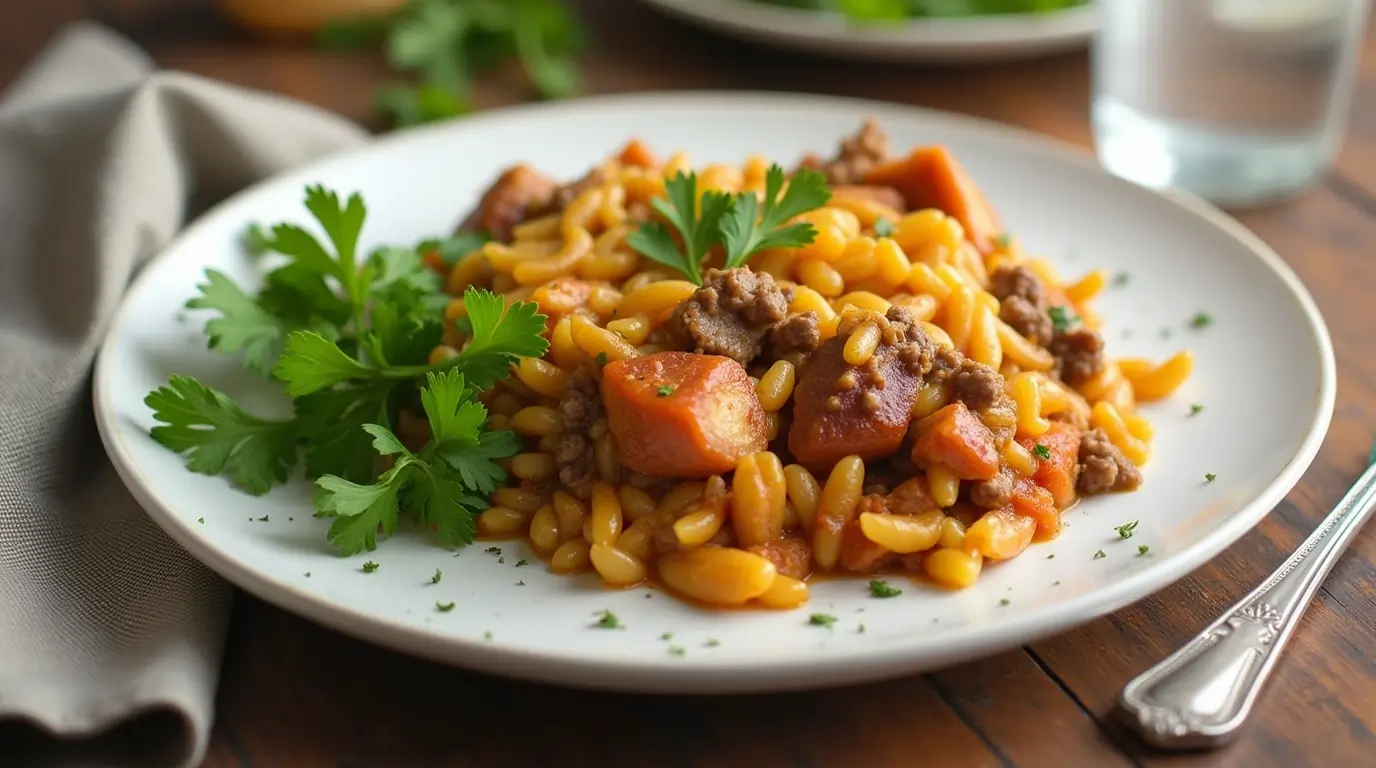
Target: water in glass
<point>1239,101</point>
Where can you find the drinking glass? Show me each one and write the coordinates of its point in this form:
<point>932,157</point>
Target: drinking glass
<point>1241,102</point>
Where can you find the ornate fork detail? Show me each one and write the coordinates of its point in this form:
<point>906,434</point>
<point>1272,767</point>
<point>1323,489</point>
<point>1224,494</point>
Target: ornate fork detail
<point>1200,695</point>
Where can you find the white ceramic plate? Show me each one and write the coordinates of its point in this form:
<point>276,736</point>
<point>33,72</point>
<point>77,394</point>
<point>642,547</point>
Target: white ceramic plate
<point>974,39</point>
<point>1261,425</point>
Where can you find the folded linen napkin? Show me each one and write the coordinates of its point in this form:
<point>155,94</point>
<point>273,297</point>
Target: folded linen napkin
<point>110,634</point>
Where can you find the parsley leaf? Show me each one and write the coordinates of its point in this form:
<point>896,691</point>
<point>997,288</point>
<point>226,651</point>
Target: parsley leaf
<point>696,220</point>
<point>360,511</point>
<point>1062,319</point>
<point>883,228</point>
<point>501,335</point>
<point>822,620</point>
<point>664,390</point>
<point>1042,452</point>
<point>243,325</point>
<point>1195,408</point>
<point>312,362</point>
<point>883,589</point>
<point>1142,549</point>
<point>743,237</point>
<point>1126,530</point>
<point>1099,555</point>
<point>370,566</point>
<point>1210,477</point>
<point>609,621</point>
<point>436,578</point>
<point>1201,320</point>
<point>217,436</point>
<point>444,607</point>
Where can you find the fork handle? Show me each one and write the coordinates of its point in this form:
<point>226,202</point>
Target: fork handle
<point>1200,695</point>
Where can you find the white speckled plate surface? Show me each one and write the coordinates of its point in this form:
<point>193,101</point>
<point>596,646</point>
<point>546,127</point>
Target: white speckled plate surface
<point>1261,425</point>
<point>972,39</point>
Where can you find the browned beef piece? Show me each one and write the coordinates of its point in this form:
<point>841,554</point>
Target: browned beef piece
<point>517,193</point>
<point>858,153</point>
<point>994,493</point>
<point>977,385</point>
<point>1027,319</point>
<point>729,315</point>
<point>1017,281</point>
<point>1022,302</point>
<point>1104,468</point>
<point>579,407</point>
<point>1079,355</point>
<point>569,192</point>
<point>797,333</point>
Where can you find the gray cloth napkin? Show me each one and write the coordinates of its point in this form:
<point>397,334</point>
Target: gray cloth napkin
<point>110,634</point>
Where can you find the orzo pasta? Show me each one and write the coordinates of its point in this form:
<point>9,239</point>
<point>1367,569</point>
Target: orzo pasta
<point>889,383</point>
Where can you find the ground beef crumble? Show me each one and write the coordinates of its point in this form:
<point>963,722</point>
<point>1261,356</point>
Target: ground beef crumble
<point>1079,355</point>
<point>1104,468</point>
<point>729,315</point>
<point>858,154</point>
<point>518,193</point>
<point>579,408</point>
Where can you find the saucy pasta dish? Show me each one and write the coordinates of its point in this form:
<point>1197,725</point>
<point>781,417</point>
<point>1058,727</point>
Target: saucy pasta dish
<point>755,375</point>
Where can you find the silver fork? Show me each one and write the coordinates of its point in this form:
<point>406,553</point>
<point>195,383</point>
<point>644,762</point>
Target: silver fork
<point>1200,695</point>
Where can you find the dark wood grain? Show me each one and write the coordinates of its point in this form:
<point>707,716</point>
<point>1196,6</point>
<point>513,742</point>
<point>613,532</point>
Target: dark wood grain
<point>295,694</point>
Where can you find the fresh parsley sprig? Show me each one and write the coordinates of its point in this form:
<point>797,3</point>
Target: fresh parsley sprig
<point>349,339</point>
<point>739,223</point>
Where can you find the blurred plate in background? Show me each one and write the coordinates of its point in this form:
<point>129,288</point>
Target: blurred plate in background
<point>971,39</point>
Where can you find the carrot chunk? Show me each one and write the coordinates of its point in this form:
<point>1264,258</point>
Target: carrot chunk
<point>1033,501</point>
<point>956,439</point>
<point>1057,459</point>
<point>839,409</point>
<point>638,154</point>
<point>677,414</point>
<point>930,177</point>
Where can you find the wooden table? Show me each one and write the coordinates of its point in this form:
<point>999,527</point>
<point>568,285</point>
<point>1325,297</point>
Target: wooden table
<point>296,694</point>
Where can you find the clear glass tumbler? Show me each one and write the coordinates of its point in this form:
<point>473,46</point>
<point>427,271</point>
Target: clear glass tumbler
<point>1241,102</point>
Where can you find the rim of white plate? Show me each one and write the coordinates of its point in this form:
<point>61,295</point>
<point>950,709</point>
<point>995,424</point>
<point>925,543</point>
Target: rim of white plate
<point>801,24</point>
<point>762,674</point>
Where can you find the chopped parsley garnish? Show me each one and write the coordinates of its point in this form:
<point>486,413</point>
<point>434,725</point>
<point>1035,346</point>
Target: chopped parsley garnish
<point>711,643</point>
<point>1099,555</point>
<point>1056,583</point>
<point>860,630</point>
<point>1142,549</point>
<point>739,223</point>
<point>370,566</point>
<point>436,578</point>
<point>1004,601</point>
<point>201,520</point>
<point>1121,279</point>
<point>664,391</point>
<point>521,583</point>
<point>1209,478</point>
<point>263,519</point>
<point>522,562</point>
<point>608,621</point>
<point>487,635</point>
<point>1195,408</point>
<point>1062,319</point>
<point>348,336</point>
<point>601,359</point>
<point>444,607</point>
<point>493,551</point>
<point>308,574</point>
<point>883,227</point>
<point>1201,320</point>
<point>676,650</point>
<point>822,620</point>
<point>1042,452</point>
<point>667,636</point>
<point>1051,556</point>
<point>1126,530</point>
<point>883,589</point>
